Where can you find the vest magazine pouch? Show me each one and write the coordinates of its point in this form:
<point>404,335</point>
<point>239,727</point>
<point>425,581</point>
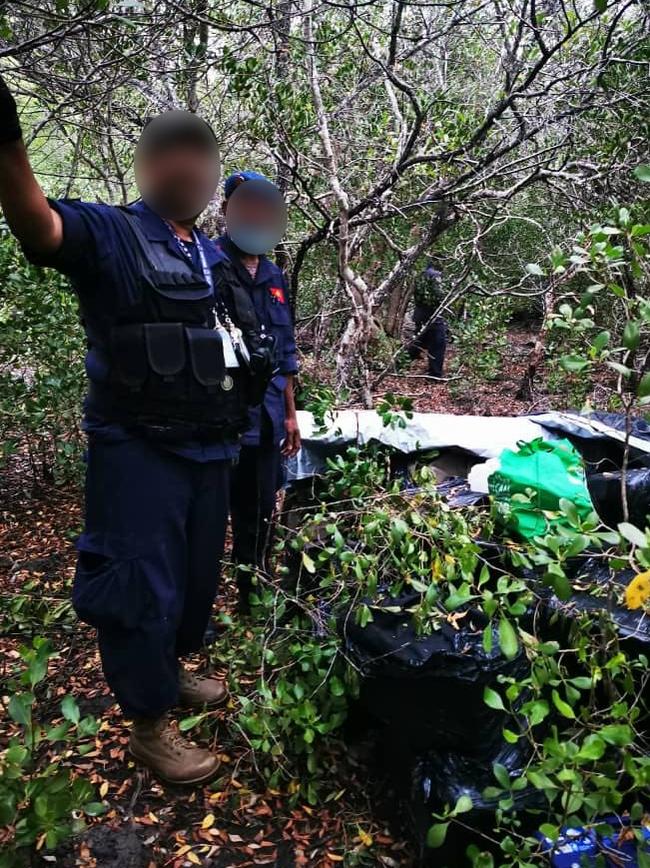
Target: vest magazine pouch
<point>130,365</point>
<point>206,357</point>
<point>181,286</point>
<point>165,346</point>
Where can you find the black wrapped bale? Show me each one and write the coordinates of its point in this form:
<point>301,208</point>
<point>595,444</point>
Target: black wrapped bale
<point>428,690</point>
<point>439,780</point>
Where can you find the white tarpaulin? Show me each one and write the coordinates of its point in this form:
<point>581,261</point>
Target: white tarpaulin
<point>482,436</point>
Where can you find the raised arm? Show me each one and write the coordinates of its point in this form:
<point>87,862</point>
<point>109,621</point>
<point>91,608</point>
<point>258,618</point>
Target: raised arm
<point>37,226</point>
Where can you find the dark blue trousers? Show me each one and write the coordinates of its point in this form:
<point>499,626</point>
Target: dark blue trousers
<point>255,481</point>
<point>431,336</point>
<point>148,566</point>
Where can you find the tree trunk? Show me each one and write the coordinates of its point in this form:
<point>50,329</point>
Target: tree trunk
<point>396,307</point>
<point>526,389</point>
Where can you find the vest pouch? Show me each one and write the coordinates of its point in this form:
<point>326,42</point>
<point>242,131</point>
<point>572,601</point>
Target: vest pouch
<point>130,365</point>
<point>167,359</point>
<point>179,297</point>
<point>165,345</point>
<point>206,358</point>
<point>209,373</point>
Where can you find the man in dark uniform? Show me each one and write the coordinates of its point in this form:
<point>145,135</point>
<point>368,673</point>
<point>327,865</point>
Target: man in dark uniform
<point>274,433</point>
<point>166,404</point>
<point>430,329</point>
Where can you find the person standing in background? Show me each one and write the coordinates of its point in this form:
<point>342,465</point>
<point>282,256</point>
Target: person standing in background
<point>273,434</point>
<point>430,326</point>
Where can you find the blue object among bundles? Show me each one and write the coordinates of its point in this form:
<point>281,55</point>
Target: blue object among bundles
<point>579,848</point>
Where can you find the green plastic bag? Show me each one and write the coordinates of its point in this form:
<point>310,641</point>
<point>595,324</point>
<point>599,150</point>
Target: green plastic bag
<point>533,480</point>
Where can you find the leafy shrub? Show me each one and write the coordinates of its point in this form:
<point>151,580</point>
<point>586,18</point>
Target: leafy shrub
<point>480,340</point>
<point>363,540</point>
<point>42,801</point>
<point>42,377</point>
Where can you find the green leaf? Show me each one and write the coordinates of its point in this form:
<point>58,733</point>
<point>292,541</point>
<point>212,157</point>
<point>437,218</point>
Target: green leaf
<point>190,722</point>
<point>336,686</point>
<point>308,563</point>
<point>582,682</point>
<point>558,580</point>
<point>601,340</point>
<point>539,780</point>
<point>574,364</point>
<point>563,707</point>
<point>632,534</point>
<point>69,709</point>
<point>463,805</point>
<point>600,5</point>
<point>508,641</point>
<point>642,173</point>
<point>436,835</point>
<point>550,832</point>
<point>492,698</point>
<point>20,708</point>
<point>623,370</point>
<point>640,229</point>
<point>643,389</point>
<point>642,857</point>
<point>94,809</point>
<point>619,735</point>
<point>502,775</point>
<point>398,530</point>
<point>631,335</point>
<point>56,733</point>
<point>487,639</point>
<point>7,808</point>
<point>592,748</point>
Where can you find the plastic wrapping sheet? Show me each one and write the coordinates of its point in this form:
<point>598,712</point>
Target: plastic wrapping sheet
<point>429,689</point>
<point>482,436</point>
<point>600,437</point>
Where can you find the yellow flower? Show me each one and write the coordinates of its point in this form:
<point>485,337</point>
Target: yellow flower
<point>638,591</point>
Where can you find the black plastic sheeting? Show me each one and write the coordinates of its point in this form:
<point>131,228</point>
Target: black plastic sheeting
<point>429,689</point>
<point>606,494</point>
<point>598,450</point>
<point>457,493</point>
<point>633,626</point>
<point>439,779</point>
<point>436,738</point>
<point>603,457</point>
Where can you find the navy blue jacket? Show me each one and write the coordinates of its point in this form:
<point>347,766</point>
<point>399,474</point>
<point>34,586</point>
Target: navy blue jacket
<point>98,255</point>
<point>270,295</point>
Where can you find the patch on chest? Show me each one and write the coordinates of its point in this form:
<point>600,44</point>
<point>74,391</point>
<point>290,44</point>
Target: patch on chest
<point>277,294</point>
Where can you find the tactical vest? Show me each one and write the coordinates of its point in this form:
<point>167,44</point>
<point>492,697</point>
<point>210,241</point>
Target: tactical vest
<point>174,374</point>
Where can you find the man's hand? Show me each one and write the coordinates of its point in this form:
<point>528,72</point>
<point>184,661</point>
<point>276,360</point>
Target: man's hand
<point>25,207</point>
<point>291,445</point>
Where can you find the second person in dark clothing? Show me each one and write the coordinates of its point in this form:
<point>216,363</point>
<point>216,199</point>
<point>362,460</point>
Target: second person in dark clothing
<point>273,434</point>
<point>430,329</point>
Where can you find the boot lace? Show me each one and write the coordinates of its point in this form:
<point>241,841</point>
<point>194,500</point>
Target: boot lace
<point>189,679</point>
<point>178,743</point>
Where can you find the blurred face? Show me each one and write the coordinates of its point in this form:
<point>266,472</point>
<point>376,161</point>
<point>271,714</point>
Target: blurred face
<point>256,216</point>
<point>177,181</point>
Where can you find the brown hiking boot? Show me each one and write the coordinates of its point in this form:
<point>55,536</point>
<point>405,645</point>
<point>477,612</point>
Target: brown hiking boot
<point>157,744</point>
<point>197,691</point>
